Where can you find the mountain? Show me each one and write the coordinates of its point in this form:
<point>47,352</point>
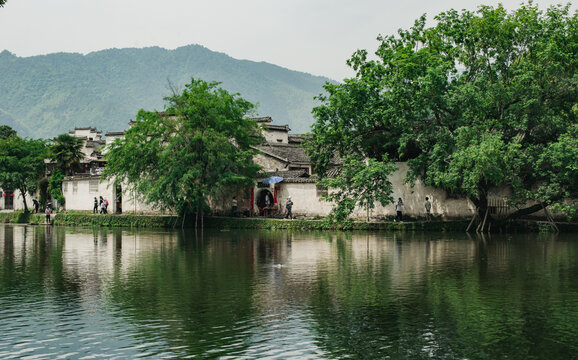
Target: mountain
<point>43,96</point>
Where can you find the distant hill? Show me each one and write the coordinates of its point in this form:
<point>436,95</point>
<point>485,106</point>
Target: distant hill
<point>43,96</point>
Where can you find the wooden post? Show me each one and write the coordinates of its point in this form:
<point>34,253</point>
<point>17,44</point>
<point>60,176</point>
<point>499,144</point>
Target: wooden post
<point>471,222</point>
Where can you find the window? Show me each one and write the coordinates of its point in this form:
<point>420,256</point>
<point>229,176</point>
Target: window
<point>64,187</point>
<point>93,186</point>
<point>74,187</point>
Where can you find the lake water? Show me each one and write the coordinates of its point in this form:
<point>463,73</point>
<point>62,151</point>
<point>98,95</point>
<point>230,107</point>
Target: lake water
<point>81,293</point>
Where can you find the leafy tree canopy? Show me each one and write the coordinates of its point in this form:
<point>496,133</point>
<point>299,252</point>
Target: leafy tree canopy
<point>180,158</point>
<point>6,132</point>
<point>481,99</point>
<point>21,164</point>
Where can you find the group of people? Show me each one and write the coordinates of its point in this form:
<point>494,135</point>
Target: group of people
<point>100,206</point>
<point>288,207</point>
<point>47,210</point>
<point>399,209</point>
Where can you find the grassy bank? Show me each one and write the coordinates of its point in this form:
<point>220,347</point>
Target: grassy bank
<point>168,221</point>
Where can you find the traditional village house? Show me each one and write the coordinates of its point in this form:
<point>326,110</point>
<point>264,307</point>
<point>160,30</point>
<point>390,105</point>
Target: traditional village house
<point>81,188</point>
<point>281,156</point>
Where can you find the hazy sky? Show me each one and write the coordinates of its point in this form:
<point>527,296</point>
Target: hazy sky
<point>315,36</point>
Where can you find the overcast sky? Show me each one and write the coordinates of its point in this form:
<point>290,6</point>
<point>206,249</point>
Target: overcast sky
<point>314,36</point>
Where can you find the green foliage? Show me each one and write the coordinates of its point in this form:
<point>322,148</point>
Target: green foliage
<point>43,190</point>
<point>43,96</point>
<point>481,99</point>
<point>6,132</point>
<point>66,152</point>
<point>21,164</point>
<point>359,183</point>
<point>55,186</point>
<point>200,145</point>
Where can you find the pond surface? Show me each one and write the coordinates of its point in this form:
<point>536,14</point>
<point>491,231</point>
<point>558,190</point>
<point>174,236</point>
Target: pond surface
<point>79,293</point>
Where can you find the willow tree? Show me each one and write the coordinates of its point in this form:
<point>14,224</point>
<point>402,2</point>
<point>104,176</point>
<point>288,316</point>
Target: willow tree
<point>199,146</point>
<point>481,99</point>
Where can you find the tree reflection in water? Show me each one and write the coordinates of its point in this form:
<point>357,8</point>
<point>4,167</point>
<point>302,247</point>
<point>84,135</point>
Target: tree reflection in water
<point>252,294</point>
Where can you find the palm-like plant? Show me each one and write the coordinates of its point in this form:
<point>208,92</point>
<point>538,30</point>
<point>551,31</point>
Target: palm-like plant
<point>66,152</point>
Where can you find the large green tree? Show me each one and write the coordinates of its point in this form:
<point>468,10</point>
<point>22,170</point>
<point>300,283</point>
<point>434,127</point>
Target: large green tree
<point>180,158</point>
<point>480,100</point>
<point>21,164</point>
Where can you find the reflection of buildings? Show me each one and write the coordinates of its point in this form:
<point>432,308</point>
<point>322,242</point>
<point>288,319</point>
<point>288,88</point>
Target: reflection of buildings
<point>260,283</point>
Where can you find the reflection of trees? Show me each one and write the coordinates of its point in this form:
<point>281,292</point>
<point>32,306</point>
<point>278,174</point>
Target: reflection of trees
<point>33,271</point>
<point>364,295</point>
<point>451,308</point>
<point>195,295</point>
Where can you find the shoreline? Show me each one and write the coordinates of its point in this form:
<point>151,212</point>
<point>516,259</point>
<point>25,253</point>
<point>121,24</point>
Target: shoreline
<point>221,222</point>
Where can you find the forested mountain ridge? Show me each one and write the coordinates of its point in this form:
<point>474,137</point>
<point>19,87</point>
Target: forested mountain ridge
<point>43,96</point>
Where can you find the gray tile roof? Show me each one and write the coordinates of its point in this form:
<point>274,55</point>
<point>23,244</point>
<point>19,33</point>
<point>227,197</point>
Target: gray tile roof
<point>286,174</point>
<point>291,153</point>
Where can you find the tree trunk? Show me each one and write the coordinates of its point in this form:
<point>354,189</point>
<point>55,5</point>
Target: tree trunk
<point>525,211</point>
<point>202,219</point>
<point>23,194</point>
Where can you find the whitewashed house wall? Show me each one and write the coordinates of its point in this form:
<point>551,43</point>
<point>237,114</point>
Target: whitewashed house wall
<point>18,203</point>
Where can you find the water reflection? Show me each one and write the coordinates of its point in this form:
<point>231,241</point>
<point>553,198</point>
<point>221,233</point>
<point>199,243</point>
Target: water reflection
<point>109,293</point>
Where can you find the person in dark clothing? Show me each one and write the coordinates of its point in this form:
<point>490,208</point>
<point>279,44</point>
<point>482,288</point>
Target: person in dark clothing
<point>35,203</point>
<point>289,206</point>
<point>234,207</point>
<point>48,211</point>
<point>95,208</point>
<point>399,209</point>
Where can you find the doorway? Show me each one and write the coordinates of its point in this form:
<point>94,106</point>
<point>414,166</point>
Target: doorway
<point>264,202</point>
<point>8,200</point>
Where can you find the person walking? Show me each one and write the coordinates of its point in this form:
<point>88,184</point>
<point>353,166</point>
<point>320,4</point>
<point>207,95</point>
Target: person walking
<point>48,211</point>
<point>101,204</point>
<point>35,203</point>
<point>427,206</point>
<point>289,206</point>
<point>234,207</point>
<point>398,210</point>
<point>95,208</point>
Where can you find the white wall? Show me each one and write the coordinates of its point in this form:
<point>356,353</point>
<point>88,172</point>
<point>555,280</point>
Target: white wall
<point>18,203</point>
<point>308,202</point>
<point>80,195</point>
<point>276,136</point>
